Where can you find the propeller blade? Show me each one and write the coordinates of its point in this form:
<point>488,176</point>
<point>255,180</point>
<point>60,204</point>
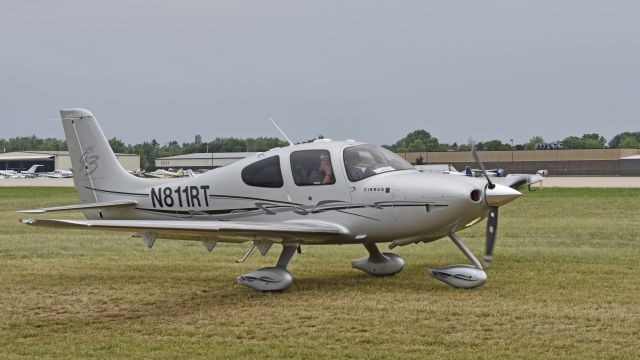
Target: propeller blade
<point>492,228</point>
<point>480,164</point>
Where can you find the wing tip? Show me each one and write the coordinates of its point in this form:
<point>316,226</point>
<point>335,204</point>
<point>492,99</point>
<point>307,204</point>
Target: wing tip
<point>32,211</point>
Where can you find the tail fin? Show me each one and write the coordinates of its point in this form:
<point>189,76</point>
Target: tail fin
<point>468,171</point>
<point>95,166</point>
<point>32,169</point>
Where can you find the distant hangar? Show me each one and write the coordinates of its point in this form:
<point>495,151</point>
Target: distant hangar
<point>54,160</point>
<point>200,160</point>
<point>602,162</point>
<point>582,162</point>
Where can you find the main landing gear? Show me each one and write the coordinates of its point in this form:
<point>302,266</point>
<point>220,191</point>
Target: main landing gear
<point>275,278</point>
<point>378,263</point>
<point>461,276</point>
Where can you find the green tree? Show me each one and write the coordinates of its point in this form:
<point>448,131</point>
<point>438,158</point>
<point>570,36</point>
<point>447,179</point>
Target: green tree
<point>147,152</point>
<point>172,148</point>
<point>464,147</point>
<point>264,144</point>
<point>616,141</point>
<point>32,143</point>
<point>587,141</point>
<point>118,146</point>
<point>493,145</point>
<point>572,142</point>
<point>629,142</point>
<point>417,141</point>
<point>531,145</point>
<point>593,141</point>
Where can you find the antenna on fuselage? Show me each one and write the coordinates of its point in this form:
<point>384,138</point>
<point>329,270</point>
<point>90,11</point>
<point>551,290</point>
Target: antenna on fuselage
<point>278,127</point>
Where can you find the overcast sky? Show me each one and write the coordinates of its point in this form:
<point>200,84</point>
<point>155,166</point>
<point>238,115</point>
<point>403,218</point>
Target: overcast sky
<point>366,70</point>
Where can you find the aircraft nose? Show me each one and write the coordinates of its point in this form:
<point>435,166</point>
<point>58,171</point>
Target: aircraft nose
<point>500,195</point>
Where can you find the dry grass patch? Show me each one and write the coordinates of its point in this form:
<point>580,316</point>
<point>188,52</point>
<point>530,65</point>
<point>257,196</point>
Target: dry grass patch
<point>564,285</point>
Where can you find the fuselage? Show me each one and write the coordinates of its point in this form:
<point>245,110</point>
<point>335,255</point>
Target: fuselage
<point>372,193</point>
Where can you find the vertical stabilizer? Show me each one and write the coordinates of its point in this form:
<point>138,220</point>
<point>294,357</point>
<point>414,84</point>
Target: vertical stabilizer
<point>32,169</point>
<point>95,166</point>
<point>468,171</point>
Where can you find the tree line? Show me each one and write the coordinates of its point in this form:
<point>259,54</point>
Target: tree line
<point>150,150</point>
<point>415,141</point>
<point>421,140</point>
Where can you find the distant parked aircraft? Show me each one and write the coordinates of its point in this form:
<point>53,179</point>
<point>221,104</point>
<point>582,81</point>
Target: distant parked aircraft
<point>31,173</point>
<point>517,181</point>
<point>58,174</point>
<point>438,169</point>
<point>164,174</point>
<point>514,181</point>
<point>499,172</point>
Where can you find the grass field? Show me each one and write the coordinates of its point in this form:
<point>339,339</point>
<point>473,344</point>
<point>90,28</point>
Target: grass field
<point>564,284</point>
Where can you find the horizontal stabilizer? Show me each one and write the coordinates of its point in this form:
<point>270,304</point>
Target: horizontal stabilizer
<point>98,205</point>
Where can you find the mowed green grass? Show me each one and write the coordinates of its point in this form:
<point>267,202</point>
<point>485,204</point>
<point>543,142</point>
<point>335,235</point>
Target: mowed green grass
<point>565,284</point>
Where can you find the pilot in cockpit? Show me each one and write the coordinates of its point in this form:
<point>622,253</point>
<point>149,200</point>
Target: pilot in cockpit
<point>351,160</point>
<point>326,169</point>
<point>324,174</point>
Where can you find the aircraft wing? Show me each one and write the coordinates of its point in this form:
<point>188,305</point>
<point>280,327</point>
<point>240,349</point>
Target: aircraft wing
<point>98,205</point>
<point>224,231</point>
<point>516,181</point>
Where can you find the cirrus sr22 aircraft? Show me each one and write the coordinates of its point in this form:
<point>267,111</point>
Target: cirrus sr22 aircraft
<point>320,193</point>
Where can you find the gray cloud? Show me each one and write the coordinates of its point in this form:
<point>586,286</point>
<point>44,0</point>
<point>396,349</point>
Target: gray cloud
<point>367,70</point>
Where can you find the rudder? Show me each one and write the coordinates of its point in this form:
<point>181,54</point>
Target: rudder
<point>94,164</point>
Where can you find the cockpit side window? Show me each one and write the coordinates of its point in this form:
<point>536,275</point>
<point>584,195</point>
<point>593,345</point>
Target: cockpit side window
<point>264,173</point>
<point>312,167</point>
<point>363,161</point>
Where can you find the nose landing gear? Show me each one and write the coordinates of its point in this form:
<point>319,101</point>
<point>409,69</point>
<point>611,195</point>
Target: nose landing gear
<point>461,276</point>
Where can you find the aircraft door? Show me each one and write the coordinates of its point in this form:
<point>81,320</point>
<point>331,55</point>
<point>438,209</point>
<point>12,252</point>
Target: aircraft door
<point>317,179</point>
<point>370,178</point>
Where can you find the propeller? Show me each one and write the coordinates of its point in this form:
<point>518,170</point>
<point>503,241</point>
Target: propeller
<point>481,165</point>
<point>492,227</point>
<point>492,221</point>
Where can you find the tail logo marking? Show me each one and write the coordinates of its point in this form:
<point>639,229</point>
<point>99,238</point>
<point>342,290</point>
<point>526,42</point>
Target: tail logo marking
<point>89,160</point>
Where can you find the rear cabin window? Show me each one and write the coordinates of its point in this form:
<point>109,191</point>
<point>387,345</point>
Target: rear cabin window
<point>264,173</point>
<point>312,167</point>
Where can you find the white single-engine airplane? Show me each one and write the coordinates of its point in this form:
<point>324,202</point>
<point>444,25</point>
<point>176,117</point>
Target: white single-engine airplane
<point>320,193</point>
<point>30,173</point>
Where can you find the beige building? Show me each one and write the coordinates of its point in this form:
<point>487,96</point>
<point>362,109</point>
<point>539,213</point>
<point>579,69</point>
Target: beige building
<point>624,162</point>
<point>557,162</point>
<point>200,160</point>
<point>54,160</point>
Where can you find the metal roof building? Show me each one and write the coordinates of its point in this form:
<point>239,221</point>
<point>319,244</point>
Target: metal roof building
<point>630,165</point>
<point>602,162</point>
<point>54,160</point>
<point>200,160</point>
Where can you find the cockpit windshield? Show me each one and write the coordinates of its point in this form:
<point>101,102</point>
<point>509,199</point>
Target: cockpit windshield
<point>363,161</point>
